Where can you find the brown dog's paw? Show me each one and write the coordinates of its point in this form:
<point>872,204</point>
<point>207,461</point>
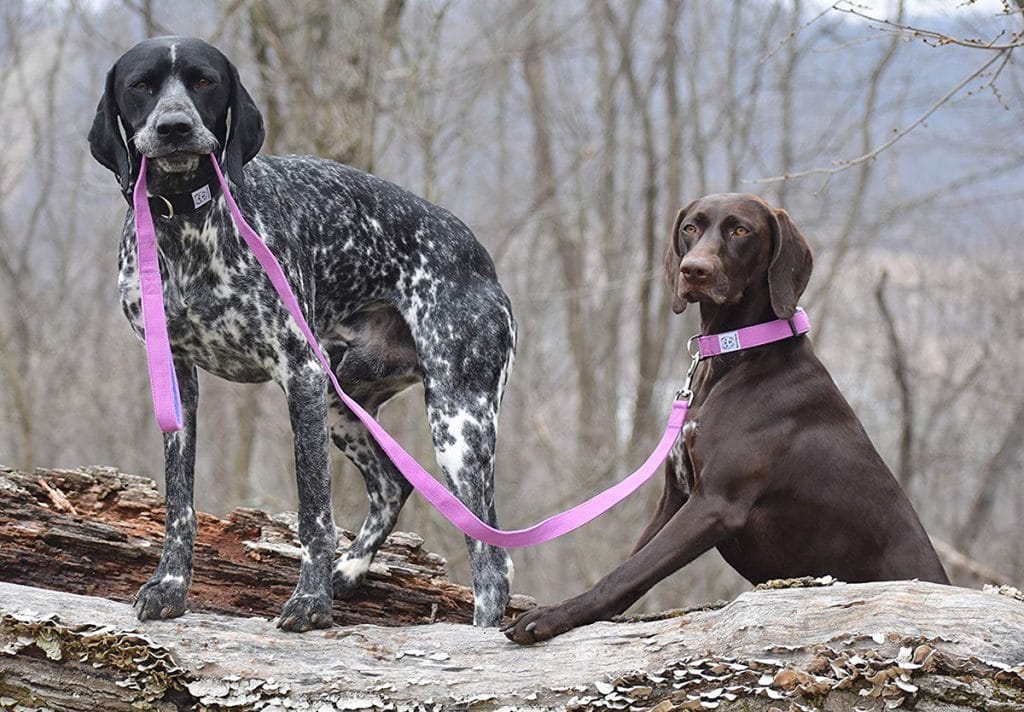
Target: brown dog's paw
<point>539,624</point>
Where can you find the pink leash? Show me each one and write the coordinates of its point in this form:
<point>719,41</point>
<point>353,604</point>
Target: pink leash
<point>167,405</point>
<point>162,380</point>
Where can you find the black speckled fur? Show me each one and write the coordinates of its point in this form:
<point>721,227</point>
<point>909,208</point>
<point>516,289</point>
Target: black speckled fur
<point>397,290</point>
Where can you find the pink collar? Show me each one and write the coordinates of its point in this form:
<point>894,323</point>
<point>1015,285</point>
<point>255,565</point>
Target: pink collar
<point>746,338</point>
<point>751,336</point>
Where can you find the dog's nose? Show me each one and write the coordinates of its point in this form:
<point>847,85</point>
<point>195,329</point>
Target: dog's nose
<point>696,269</point>
<point>174,125</point>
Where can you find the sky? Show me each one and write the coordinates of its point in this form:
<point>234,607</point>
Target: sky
<point>919,8</point>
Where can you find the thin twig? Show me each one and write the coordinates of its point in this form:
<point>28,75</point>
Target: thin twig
<point>933,37</point>
<point>58,498</point>
<point>792,35</point>
<point>846,164</point>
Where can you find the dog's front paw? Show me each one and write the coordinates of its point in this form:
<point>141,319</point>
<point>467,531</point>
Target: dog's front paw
<point>163,596</point>
<point>304,612</point>
<point>540,624</point>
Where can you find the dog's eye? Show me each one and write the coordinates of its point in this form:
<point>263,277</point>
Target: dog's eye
<point>142,86</point>
<point>740,231</point>
<point>690,229</point>
<point>201,84</point>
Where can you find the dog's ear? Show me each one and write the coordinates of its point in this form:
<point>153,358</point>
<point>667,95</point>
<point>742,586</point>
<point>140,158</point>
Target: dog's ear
<point>245,132</point>
<point>790,266</point>
<point>105,140</point>
<point>673,257</point>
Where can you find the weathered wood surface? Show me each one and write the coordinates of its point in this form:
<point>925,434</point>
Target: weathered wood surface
<point>836,647</point>
<point>98,531</point>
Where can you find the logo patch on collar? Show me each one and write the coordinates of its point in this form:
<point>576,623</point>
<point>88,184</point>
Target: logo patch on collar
<point>201,196</point>
<point>729,341</point>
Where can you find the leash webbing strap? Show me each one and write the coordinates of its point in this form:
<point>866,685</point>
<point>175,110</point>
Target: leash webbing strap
<point>444,501</point>
<point>158,352</point>
<point>167,402</point>
<point>162,380</point>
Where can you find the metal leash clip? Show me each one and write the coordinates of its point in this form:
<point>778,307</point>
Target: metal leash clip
<point>685,393</point>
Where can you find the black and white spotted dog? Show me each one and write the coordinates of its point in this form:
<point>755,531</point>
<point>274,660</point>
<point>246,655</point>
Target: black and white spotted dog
<point>396,289</point>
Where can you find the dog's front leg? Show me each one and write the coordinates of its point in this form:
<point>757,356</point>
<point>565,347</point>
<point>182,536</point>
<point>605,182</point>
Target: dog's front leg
<point>696,527</point>
<point>163,596</point>
<point>310,604</point>
<point>672,499</point>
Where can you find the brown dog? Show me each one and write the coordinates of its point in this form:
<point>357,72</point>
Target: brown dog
<point>776,472</point>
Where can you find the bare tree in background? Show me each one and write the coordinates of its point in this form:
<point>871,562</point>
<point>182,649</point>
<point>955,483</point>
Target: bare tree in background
<point>566,135</point>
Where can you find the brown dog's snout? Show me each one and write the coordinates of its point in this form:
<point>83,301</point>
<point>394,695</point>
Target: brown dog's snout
<point>697,268</point>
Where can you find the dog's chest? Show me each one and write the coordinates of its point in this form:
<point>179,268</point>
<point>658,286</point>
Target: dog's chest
<point>220,311</point>
<point>687,473</point>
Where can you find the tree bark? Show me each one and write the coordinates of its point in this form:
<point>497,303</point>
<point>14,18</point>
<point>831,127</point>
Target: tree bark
<point>97,531</point>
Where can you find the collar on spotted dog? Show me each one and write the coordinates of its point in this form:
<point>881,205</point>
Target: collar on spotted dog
<point>705,346</point>
<point>167,205</point>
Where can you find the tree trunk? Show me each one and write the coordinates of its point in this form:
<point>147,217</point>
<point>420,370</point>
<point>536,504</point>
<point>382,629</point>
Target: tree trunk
<point>999,468</point>
<point>571,254</point>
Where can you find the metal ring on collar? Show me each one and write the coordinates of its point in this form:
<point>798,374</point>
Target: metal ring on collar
<point>689,346</point>
<point>170,208</point>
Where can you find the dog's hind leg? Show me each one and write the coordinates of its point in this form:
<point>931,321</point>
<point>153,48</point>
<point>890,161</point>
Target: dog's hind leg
<point>464,383</point>
<point>464,430</point>
<point>377,361</point>
<point>386,490</point>
<point>163,595</point>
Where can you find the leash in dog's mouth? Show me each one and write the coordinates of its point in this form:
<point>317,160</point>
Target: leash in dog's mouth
<point>205,189</point>
<point>167,400</point>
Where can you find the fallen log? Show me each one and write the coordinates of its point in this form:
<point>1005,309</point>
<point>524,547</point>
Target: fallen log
<point>802,644</point>
<point>842,647</point>
<point>98,531</point>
